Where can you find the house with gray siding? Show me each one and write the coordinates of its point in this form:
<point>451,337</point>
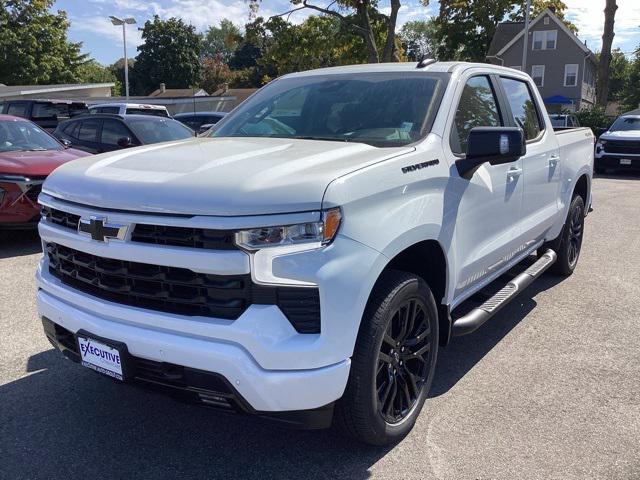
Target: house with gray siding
<point>562,66</point>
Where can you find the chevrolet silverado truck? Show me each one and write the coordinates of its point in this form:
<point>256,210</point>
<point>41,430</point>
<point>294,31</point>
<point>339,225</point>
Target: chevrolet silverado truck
<point>619,147</point>
<point>307,259</point>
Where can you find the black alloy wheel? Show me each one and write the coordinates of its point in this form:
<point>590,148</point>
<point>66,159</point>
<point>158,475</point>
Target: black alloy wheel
<point>403,361</point>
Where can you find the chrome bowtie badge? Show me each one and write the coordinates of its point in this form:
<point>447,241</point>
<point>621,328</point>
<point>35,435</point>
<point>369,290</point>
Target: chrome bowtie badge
<point>99,229</point>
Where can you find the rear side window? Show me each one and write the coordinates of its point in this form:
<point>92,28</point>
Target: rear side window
<point>89,130</point>
<point>523,107</point>
<point>112,131</point>
<point>478,107</point>
<point>17,109</point>
<point>108,110</point>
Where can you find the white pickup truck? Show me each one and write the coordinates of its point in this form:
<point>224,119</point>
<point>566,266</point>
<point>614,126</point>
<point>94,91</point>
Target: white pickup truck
<point>308,259</point>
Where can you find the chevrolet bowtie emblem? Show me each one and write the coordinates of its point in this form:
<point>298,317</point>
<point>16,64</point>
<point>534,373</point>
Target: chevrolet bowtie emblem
<point>98,229</point>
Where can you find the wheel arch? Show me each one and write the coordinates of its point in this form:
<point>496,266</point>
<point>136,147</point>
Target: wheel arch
<point>583,188</point>
<point>427,259</point>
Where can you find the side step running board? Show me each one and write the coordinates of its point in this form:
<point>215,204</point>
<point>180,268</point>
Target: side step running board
<point>476,317</point>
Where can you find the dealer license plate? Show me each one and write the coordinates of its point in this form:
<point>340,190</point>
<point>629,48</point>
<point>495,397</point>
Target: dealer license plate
<point>625,161</point>
<point>100,357</point>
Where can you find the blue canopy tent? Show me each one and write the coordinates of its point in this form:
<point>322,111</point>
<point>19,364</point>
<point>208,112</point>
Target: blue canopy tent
<point>557,99</point>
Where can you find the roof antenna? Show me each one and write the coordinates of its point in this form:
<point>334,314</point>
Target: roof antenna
<point>425,62</point>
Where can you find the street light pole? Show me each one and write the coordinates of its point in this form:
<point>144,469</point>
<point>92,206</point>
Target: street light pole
<point>526,35</point>
<point>119,21</point>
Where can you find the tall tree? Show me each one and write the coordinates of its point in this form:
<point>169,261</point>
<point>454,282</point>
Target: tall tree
<point>33,44</point>
<point>602,85</point>
<point>419,39</point>
<point>630,96</point>
<point>465,28</point>
<point>360,16</point>
<point>220,42</point>
<point>170,54</point>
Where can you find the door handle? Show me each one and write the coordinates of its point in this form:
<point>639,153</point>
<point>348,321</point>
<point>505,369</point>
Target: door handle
<point>553,160</point>
<point>513,173</point>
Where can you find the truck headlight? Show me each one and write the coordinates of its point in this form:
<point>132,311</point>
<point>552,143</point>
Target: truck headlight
<point>321,232</point>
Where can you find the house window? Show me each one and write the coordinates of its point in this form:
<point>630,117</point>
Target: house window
<point>537,73</point>
<point>545,39</point>
<point>571,75</point>
<point>546,20</point>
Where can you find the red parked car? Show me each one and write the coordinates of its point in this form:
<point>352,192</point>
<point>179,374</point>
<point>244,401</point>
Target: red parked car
<point>27,156</point>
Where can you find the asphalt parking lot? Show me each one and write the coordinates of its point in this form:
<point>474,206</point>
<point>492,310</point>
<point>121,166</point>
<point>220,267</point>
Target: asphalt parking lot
<point>550,388</point>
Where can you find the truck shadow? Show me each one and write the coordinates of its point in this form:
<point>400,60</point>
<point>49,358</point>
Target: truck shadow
<point>462,353</point>
<point>15,243</point>
<point>62,417</point>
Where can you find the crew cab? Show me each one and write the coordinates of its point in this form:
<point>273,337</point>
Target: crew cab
<point>619,146</point>
<point>307,259</point>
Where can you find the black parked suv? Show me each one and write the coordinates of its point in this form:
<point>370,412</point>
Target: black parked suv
<point>45,113</point>
<point>101,132</point>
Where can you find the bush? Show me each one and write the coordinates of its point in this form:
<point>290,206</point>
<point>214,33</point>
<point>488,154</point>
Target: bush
<point>594,118</point>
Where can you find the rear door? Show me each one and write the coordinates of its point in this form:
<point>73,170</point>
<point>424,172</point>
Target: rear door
<point>484,209</point>
<point>541,163</point>
<point>87,135</point>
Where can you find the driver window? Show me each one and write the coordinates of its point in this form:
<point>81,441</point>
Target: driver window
<point>478,107</point>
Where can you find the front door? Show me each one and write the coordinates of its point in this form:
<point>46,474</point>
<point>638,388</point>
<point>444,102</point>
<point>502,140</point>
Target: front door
<point>484,210</point>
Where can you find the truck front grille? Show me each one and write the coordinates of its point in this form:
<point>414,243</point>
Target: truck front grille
<point>179,290</point>
<point>622,147</point>
<point>158,234</point>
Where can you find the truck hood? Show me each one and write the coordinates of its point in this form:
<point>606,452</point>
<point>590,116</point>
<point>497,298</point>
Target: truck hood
<point>632,135</point>
<point>214,176</point>
<point>36,163</point>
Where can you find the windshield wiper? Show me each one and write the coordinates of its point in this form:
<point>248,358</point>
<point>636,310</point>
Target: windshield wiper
<point>329,139</point>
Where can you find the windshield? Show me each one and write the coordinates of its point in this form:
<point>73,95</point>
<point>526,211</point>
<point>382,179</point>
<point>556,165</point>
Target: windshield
<point>380,109</point>
<point>155,131</point>
<point>625,123</point>
<point>25,136</point>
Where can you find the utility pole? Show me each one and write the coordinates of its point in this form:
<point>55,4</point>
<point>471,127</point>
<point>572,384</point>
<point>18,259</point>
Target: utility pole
<point>526,35</point>
<point>124,21</point>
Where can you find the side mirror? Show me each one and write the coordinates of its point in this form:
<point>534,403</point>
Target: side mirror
<point>65,142</point>
<point>124,142</point>
<point>496,145</point>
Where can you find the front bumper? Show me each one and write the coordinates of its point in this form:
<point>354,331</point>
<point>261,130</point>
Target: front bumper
<point>612,160</point>
<point>261,389</point>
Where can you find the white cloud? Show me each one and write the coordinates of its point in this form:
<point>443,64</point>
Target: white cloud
<point>102,27</point>
<point>588,16</point>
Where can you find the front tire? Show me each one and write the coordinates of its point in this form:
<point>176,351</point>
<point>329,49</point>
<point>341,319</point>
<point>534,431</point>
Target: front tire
<point>571,239</point>
<point>393,362</point>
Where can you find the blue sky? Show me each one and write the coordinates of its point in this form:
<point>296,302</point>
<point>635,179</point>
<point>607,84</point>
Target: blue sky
<point>91,26</point>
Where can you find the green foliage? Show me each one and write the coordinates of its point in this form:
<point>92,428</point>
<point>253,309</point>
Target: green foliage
<point>215,74</point>
<point>630,96</point>
<point>221,42</point>
<point>465,28</point>
<point>170,54</point>
<point>33,44</point>
<point>593,118</point>
<point>419,39</point>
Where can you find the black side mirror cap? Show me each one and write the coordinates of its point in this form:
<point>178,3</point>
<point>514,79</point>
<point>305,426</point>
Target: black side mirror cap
<point>495,145</point>
<point>124,142</point>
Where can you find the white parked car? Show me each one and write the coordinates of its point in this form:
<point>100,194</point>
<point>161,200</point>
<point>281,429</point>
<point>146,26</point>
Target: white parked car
<point>130,109</point>
<point>307,260</point>
<point>619,146</point>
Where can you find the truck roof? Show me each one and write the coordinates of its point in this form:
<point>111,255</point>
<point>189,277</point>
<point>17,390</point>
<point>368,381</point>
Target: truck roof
<point>448,67</point>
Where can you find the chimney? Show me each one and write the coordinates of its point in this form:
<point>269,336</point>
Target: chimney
<point>163,88</point>
<point>225,88</point>
<point>552,8</point>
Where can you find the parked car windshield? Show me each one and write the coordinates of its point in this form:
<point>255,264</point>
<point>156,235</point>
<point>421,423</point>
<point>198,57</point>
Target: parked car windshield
<point>380,109</point>
<point>25,136</point>
<point>625,123</point>
<point>158,130</point>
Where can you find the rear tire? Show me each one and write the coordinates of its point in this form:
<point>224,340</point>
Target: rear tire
<point>393,361</point>
<point>571,237</point>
